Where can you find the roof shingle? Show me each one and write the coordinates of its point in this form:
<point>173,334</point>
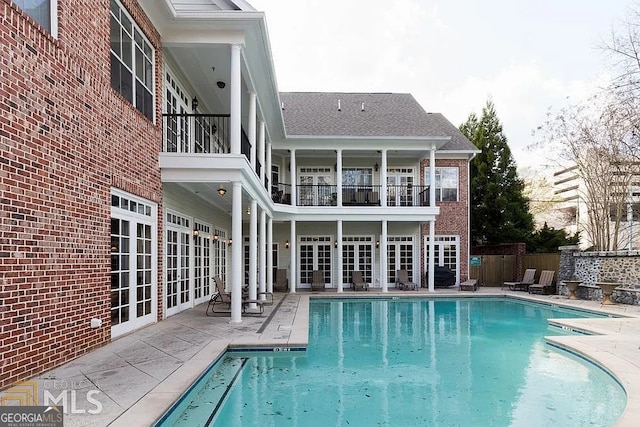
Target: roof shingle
<point>365,114</point>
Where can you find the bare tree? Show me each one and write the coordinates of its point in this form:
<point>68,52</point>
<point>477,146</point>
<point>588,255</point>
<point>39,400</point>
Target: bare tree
<point>597,139</point>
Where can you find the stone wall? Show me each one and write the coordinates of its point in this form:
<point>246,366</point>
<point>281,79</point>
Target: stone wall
<point>592,267</point>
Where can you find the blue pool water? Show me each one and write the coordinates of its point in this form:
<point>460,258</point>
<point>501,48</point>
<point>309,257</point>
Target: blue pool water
<point>410,362</point>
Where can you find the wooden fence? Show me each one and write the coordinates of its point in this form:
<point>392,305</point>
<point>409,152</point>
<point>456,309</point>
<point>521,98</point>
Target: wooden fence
<point>494,270</point>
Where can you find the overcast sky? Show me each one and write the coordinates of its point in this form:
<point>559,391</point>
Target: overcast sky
<point>452,55</point>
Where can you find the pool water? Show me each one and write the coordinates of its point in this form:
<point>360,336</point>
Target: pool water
<point>410,362</point>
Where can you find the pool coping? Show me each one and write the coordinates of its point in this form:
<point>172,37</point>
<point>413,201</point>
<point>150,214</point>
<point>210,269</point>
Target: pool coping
<point>602,347</point>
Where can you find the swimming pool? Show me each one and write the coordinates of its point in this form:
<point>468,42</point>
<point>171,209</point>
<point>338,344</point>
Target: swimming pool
<point>406,362</point>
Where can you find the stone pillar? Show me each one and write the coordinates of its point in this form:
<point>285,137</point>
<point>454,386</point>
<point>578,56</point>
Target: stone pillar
<point>567,267</point>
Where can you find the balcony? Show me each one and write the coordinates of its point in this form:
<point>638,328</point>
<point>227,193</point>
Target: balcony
<point>352,195</point>
<point>196,133</point>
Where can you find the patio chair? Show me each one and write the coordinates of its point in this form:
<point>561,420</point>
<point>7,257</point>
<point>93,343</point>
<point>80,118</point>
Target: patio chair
<point>403,282</point>
<point>357,282</point>
<point>223,298</point>
<point>281,284</point>
<point>545,284</point>
<point>317,280</point>
<point>523,285</point>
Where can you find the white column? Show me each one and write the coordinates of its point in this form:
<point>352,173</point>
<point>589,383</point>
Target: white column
<point>339,179</point>
<point>432,255</point>
<point>432,177</point>
<point>251,129</point>
<point>267,168</point>
<point>294,191</point>
<point>236,254</point>
<point>383,180</point>
<point>253,250</point>
<point>383,254</point>
<point>339,240</point>
<point>235,104</point>
<point>293,277</point>
<point>269,254</point>
<point>261,136</point>
<point>262,254</point>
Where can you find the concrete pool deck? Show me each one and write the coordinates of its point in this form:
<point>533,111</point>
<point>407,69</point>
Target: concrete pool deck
<point>136,378</point>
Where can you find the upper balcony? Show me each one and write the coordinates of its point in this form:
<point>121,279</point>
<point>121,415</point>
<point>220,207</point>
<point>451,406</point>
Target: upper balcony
<point>353,195</point>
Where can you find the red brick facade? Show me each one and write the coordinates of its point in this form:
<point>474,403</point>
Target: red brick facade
<point>66,138</point>
<point>454,216</point>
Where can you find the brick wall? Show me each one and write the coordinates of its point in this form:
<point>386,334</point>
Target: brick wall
<point>454,216</point>
<point>65,139</point>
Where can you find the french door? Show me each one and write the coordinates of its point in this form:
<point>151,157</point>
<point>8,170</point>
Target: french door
<point>177,259</point>
<point>133,262</point>
<point>400,256</point>
<point>315,187</point>
<point>314,253</point>
<point>446,253</point>
<point>399,187</point>
<point>202,263</point>
<point>357,255</point>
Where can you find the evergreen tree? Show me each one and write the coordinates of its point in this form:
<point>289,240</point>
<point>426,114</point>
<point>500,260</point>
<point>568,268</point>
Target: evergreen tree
<point>499,208</point>
<point>549,239</point>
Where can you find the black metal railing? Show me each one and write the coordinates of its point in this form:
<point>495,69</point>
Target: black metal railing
<point>196,133</point>
<point>352,195</point>
<point>317,195</point>
<point>407,195</point>
<point>361,195</point>
<point>281,193</point>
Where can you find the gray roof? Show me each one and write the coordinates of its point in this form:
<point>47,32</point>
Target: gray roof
<point>384,115</point>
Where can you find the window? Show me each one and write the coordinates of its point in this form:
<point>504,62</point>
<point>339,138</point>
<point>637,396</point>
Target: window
<point>357,177</point>
<point>131,61</point>
<point>446,183</point>
<point>44,12</point>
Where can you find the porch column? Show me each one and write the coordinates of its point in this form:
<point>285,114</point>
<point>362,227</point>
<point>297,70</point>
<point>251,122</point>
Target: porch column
<point>235,103</point>
<point>262,254</point>
<point>263,171</point>
<point>253,250</point>
<point>267,168</point>
<point>236,254</point>
<point>251,129</point>
<point>294,248</point>
<point>432,255</point>
<point>339,183</point>
<point>292,172</point>
<point>269,254</point>
<point>432,178</point>
<point>339,240</point>
<point>383,181</point>
<point>383,252</point>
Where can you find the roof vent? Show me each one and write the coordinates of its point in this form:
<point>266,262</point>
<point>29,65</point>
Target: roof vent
<point>339,109</point>
<point>282,106</point>
<point>362,107</point>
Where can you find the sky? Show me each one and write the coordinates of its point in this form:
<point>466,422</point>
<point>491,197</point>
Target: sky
<point>527,56</point>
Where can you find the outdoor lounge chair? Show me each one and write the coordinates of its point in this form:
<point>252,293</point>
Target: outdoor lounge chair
<point>222,298</point>
<point>523,285</point>
<point>317,281</point>
<point>545,284</point>
<point>357,282</point>
<point>403,282</point>
<point>281,284</point>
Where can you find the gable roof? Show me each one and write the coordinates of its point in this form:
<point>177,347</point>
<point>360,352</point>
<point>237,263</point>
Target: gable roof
<point>343,114</point>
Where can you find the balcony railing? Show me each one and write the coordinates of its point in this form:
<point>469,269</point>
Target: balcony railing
<point>196,133</point>
<point>407,195</point>
<point>352,195</point>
